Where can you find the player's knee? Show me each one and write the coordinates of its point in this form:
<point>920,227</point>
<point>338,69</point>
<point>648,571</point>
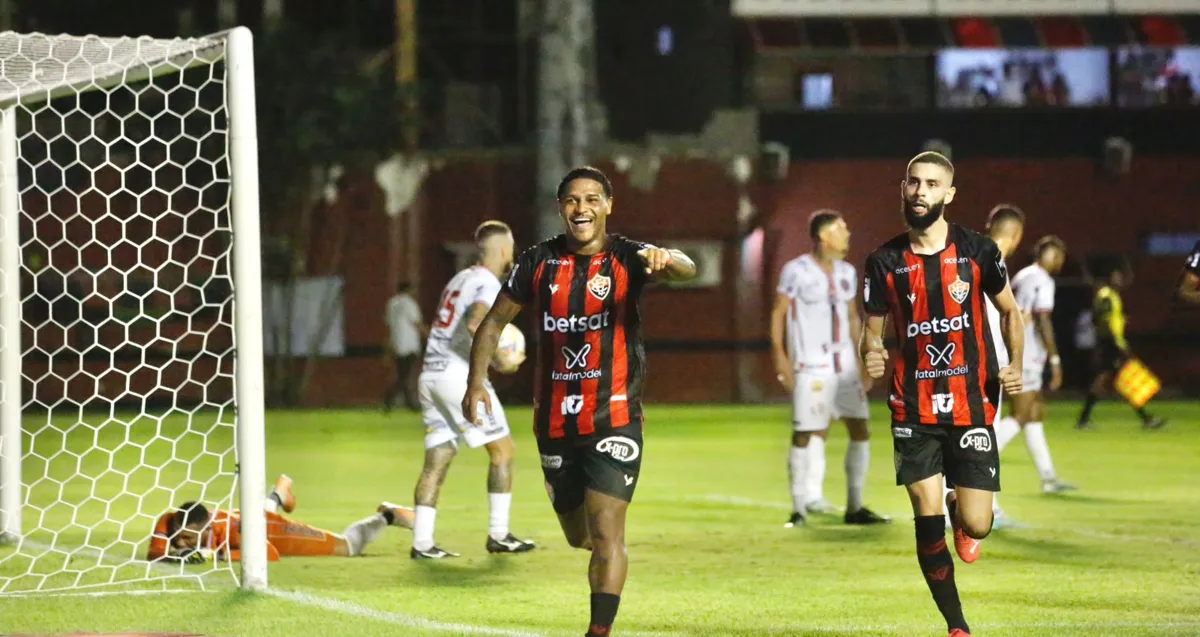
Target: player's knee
<point>858,430</point>
<point>801,438</point>
<point>501,456</point>
<point>977,526</point>
<point>580,541</point>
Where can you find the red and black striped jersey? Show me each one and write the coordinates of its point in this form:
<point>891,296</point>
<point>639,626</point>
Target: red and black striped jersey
<point>590,358</point>
<point>947,373</point>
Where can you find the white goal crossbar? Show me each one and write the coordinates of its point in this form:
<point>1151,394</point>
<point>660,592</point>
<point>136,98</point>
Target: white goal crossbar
<point>205,178</point>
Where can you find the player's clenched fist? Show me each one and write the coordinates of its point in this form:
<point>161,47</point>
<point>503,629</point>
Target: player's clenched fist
<point>655,259</point>
<point>1010,380</point>
<point>876,363</point>
<point>470,405</point>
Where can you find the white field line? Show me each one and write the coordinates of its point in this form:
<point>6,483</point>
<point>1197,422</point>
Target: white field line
<point>398,619</point>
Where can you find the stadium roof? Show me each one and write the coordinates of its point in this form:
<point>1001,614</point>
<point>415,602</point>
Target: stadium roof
<point>916,35</point>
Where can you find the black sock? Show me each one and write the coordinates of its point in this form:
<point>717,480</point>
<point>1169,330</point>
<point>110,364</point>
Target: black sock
<point>1086,415</point>
<point>604,613</point>
<point>388,516</point>
<point>933,554</point>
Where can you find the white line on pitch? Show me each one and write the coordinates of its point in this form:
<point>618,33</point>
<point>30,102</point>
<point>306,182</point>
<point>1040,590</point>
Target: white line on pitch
<point>366,612</point>
<point>329,604</point>
<point>308,599</point>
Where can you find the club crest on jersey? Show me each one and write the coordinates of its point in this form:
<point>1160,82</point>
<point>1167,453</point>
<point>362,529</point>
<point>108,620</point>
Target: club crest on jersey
<point>600,286</point>
<point>958,290</point>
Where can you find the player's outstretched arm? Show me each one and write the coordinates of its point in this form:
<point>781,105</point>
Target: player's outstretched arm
<point>483,347</point>
<point>1012,325</point>
<point>672,264</point>
<point>871,349</point>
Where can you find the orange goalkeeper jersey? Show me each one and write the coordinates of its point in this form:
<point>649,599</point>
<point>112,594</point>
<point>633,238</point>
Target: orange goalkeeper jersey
<point>224,537</point>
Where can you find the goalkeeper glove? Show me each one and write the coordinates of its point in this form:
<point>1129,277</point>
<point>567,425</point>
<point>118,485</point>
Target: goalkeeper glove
<point>190,556</point>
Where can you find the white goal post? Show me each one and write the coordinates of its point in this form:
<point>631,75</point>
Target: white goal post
<point>131,338</point>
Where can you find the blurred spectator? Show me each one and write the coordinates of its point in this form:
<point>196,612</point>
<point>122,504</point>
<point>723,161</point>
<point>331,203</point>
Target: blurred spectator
<point>1154,77</point>
<point>1060,93</point>
<point>1035,88</point>
<point>1012,89</point>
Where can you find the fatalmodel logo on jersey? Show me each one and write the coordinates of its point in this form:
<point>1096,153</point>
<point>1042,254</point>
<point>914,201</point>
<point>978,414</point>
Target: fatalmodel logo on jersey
<point>620,448</point>
<point>576,358</point>
<point>940,326</point>
<point>941,356</point>
<point>575,324</point>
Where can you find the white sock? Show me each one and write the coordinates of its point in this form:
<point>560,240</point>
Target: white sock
<point>370,527</point>
<point>423,528</point>
<point>816,469</point>
<point>858,458</point>
<point>1006,429</point>
<point>1035,440</point>
<point>798,474</point>
<point>499,503</point>
<point>271,504</point>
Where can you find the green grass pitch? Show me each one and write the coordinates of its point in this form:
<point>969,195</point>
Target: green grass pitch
<point>708,551</point>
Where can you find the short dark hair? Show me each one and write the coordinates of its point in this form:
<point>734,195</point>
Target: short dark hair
<point>186,514</point>
<point>1047,242</point>
<point>819,219</point>
<point>585,172</point>
<point>1004,212</point>
<point>931,157</point>
<point>490,228</point>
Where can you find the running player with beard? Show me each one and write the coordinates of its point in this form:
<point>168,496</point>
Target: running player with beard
<point>817,315</point>
<point>585,286</point>
<point>465,300</point>
<point>932,282</point>
<point>1187,289</point>
<point>1034,289</point>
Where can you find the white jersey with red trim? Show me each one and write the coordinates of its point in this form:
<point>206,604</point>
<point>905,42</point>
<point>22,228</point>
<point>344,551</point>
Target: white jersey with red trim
<point>818,319</point>
<point>449,340</point>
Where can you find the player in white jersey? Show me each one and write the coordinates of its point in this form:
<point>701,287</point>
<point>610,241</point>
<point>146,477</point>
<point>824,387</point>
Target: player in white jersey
<point>465,300</point>
<point>1034,290</point>
<point>815,359</point>
<point>1006,227</point>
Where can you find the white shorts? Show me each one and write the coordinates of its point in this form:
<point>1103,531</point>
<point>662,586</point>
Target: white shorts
<point>1031,375</point>
<point>820,398</point>
<point>441,396</point>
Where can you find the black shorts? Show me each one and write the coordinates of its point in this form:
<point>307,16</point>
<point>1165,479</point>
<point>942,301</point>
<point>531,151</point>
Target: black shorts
<point>608,464</point>
<point>1107,357</point>
<point>968,456</point>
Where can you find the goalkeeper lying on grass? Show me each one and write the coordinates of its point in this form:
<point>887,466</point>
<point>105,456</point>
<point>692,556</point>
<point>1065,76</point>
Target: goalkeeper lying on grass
<point>191,534</point>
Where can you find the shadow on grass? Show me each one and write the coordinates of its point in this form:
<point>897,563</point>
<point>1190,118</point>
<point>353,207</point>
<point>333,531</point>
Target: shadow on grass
<point>463,572</point>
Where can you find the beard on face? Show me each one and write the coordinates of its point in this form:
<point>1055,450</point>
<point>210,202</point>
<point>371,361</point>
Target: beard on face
<point>933,212</point>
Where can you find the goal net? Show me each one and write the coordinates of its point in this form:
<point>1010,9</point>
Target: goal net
<point>130,380</point>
